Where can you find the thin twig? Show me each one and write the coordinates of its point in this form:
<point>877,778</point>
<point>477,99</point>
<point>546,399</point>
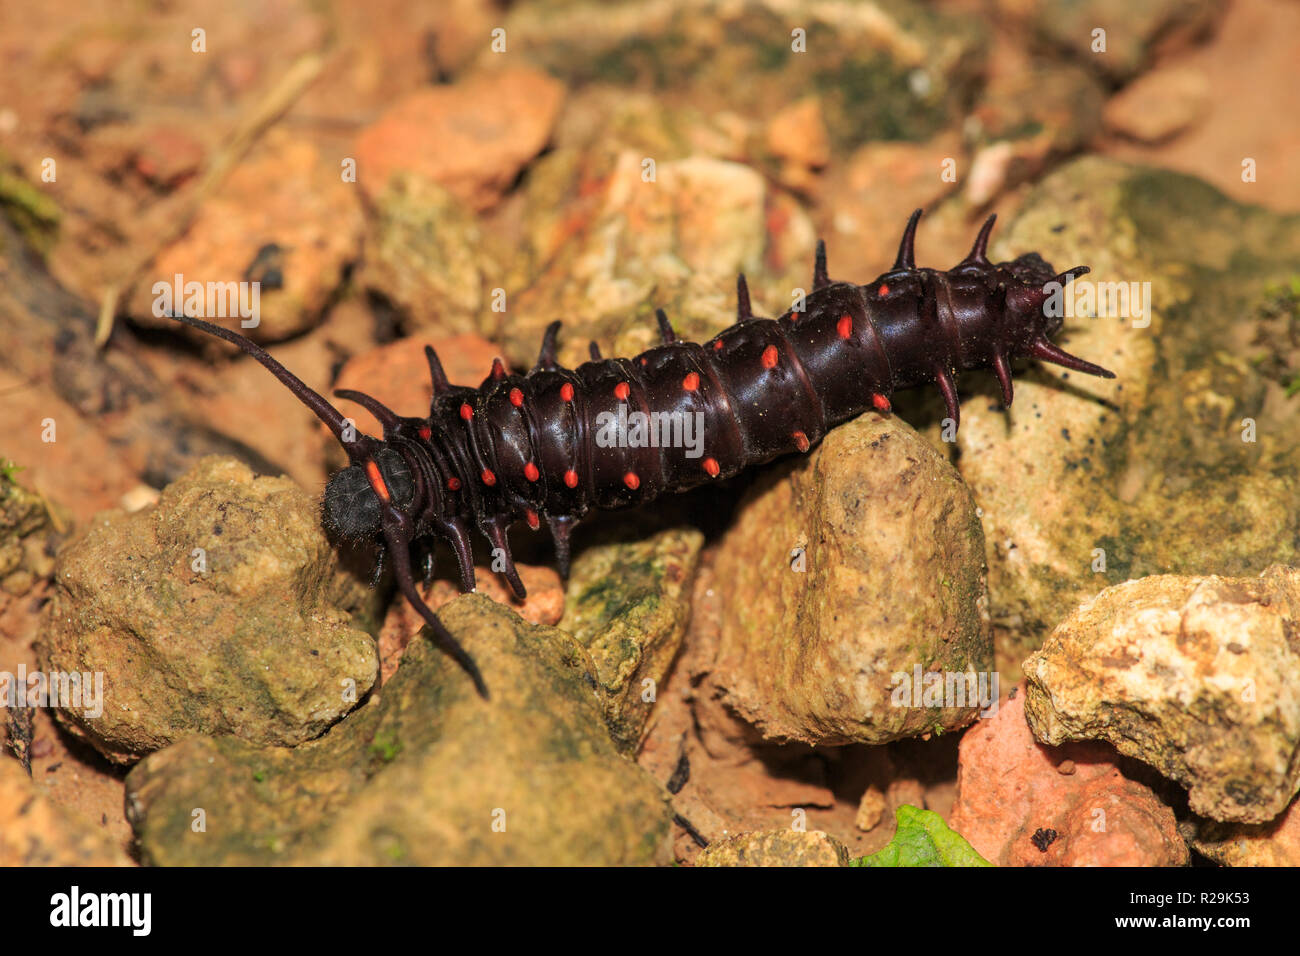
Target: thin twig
<point>282,96</point>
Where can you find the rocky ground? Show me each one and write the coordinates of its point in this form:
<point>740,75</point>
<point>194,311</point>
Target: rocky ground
<point>714,684</point>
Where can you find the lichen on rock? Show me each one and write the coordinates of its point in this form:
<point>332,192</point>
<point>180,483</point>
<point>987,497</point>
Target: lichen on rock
<point>23,513</point>
<point>894,69</point>
<point>679,244</point>
<point>1198,677</point>
<point>429,773</point>
<point>629,608</point>
<point>208,613</point>
<point>848,573</point>
<point>776,848</point>
<point>1086,483</point>
<point>421,244</point>
<point>1276,843</point>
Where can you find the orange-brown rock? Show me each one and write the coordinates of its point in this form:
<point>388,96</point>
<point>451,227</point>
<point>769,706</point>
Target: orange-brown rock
<point>471,137</point>
<point>1012,789</point>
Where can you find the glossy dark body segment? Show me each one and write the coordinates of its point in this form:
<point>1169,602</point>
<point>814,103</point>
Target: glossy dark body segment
<point>529,446</point>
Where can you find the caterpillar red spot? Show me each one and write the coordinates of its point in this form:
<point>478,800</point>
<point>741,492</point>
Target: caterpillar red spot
<point>852,347</point>
<point>377,481</point>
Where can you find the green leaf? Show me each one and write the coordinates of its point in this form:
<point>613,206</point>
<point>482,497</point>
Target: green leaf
<point>923,839</point>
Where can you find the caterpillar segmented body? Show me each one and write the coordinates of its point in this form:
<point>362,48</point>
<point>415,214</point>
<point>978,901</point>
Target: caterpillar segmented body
<point>529,446</point>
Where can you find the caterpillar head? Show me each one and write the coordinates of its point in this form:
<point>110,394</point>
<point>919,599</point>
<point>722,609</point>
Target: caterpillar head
<point>371,497</point>
<point>354,497</point>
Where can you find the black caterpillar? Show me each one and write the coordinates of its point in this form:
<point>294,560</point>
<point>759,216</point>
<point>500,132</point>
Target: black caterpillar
<point>528,446</point>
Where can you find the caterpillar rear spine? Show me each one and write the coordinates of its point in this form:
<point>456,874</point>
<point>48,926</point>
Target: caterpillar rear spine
<point>528,446</point>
